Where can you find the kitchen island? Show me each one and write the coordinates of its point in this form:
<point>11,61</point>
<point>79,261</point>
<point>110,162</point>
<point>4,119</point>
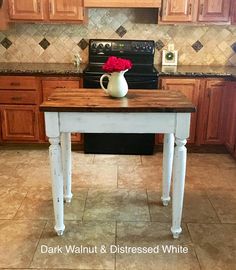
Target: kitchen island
<point>80,110</point>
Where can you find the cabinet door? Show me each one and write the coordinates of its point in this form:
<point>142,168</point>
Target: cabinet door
<point>26,9</point>
<point>19,123</point>
<point>229,120</point>
<point>213,10</point>
<point>66,10</point>
<point>212,112</point>
<point>177,11</point>
<point>233,12</point>
<point>190,88</point>
<point>3,15</point>
<point>50,85</point>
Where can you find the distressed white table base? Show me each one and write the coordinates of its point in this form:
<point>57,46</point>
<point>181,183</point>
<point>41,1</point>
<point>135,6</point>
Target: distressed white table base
<point>173,125</point>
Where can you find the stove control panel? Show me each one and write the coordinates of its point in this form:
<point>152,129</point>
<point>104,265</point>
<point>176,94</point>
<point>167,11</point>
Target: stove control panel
<point>107,47</point>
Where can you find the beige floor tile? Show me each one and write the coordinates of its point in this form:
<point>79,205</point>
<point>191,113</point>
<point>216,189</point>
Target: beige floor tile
<point>152,234</point>
<point>86,234</point>
<point>197,208</point>
<point>94,176</point>
<point>139,177</point>
<point>81,158</point>
<point>126,160</point>
<point>11,200</point>
<point>117,204</point>
<point>38,205</point>
<point>209,160</point>
<point>215,245</point>
<point>224,202</point>
<point>152,160</point>
<point>18,242</point>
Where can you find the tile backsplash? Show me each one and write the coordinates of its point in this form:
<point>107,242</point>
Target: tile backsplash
<point>58,43</point>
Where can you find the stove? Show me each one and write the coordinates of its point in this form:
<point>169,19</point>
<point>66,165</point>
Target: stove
<point>142,75</point>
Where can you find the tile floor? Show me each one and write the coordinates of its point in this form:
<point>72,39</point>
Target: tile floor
<point>116,204</point>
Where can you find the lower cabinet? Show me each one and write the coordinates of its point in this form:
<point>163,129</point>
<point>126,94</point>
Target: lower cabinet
<point>230,118</point>
<point>211,116</point>
<point>50,84</point>
<point>190,88</point>
<point>20,123</point>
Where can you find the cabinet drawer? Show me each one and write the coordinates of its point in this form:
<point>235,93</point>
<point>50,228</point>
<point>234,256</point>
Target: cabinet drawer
<point>18,97</point>
<point>18,82</point>
<point>50,85</point>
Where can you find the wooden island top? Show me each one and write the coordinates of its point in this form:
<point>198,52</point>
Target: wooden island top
<point>95,100</point>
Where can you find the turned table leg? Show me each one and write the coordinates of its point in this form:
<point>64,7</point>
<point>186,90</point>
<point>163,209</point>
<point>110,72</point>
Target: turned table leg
<point>57,183</point>
<point>179,170</point>
<point>168,153</point>
<point>66,164</point>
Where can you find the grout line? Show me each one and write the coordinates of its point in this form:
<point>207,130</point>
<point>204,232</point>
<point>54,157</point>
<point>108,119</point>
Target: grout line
<point>14,217</point>
<point>213,207</point>
<point>45,223</point>
<point>82,219</point>
<point>195,252</point>
<point>150,216</point>
<point>115,245</point>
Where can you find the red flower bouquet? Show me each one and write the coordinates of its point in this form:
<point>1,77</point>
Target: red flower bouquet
<point>115,64</point>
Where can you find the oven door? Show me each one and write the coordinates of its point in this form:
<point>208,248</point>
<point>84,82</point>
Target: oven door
<point>141,82</point>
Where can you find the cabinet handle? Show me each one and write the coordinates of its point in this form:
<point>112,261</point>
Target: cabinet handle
<point>16,98</point>
<point>15,83</point>
<point>190,9</point>
<point>201,9</point>
<point>38,6</point>
<point>209,93</point>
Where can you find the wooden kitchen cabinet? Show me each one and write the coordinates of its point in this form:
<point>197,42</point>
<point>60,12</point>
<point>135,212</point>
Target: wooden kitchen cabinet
<point>50,84</point>
<point>4,17</point>
<point>230,118</point>
<point>26,10</point>
<point>19,123</point>
<point>233,12</point>
<point>190,88</point>
<point>177,11</point>
<point>66,10</point>
<point>214,11</point>
<point>19,101</point>
<point>46,10</point>
<point>211,115</point>
<point>122,3</point>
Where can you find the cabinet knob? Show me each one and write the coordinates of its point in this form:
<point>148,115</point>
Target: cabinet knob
<point>190,9</point>
<point>15,83</point>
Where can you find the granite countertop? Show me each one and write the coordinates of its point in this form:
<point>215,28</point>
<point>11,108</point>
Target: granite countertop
<point>68,69</point>
<point>59,69</point>
<point>198,71</point>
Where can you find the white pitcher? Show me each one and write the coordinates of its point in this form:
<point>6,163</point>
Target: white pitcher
<point>117,85</point>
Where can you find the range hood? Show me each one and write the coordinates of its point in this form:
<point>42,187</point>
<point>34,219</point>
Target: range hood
<point>123,3</point>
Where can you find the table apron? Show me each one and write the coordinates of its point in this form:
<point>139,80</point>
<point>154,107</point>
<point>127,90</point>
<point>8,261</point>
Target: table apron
<point>117,122</point>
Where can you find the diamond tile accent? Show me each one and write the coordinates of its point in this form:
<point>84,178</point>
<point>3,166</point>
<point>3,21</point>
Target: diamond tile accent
<point>6,43</point>
<point>121,31</point>
<point>197,46</point>
<point>83,44</point>
<point>233,46</point>
<point>44,43</point>
<point>159,45</point>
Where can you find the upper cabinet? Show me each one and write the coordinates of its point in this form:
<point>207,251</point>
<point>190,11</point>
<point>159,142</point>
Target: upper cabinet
<point>213,10</point>
<point>26,9</point>
<point>4,18</point>
<point>46,10</point>
<point>64,10</point>
<point>123,3</point>
<point>177,11</point>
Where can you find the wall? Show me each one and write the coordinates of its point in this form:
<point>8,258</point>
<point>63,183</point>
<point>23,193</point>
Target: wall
<point>197,45</point>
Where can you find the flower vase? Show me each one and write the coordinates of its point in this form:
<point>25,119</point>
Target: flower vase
<point>117,84</point>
